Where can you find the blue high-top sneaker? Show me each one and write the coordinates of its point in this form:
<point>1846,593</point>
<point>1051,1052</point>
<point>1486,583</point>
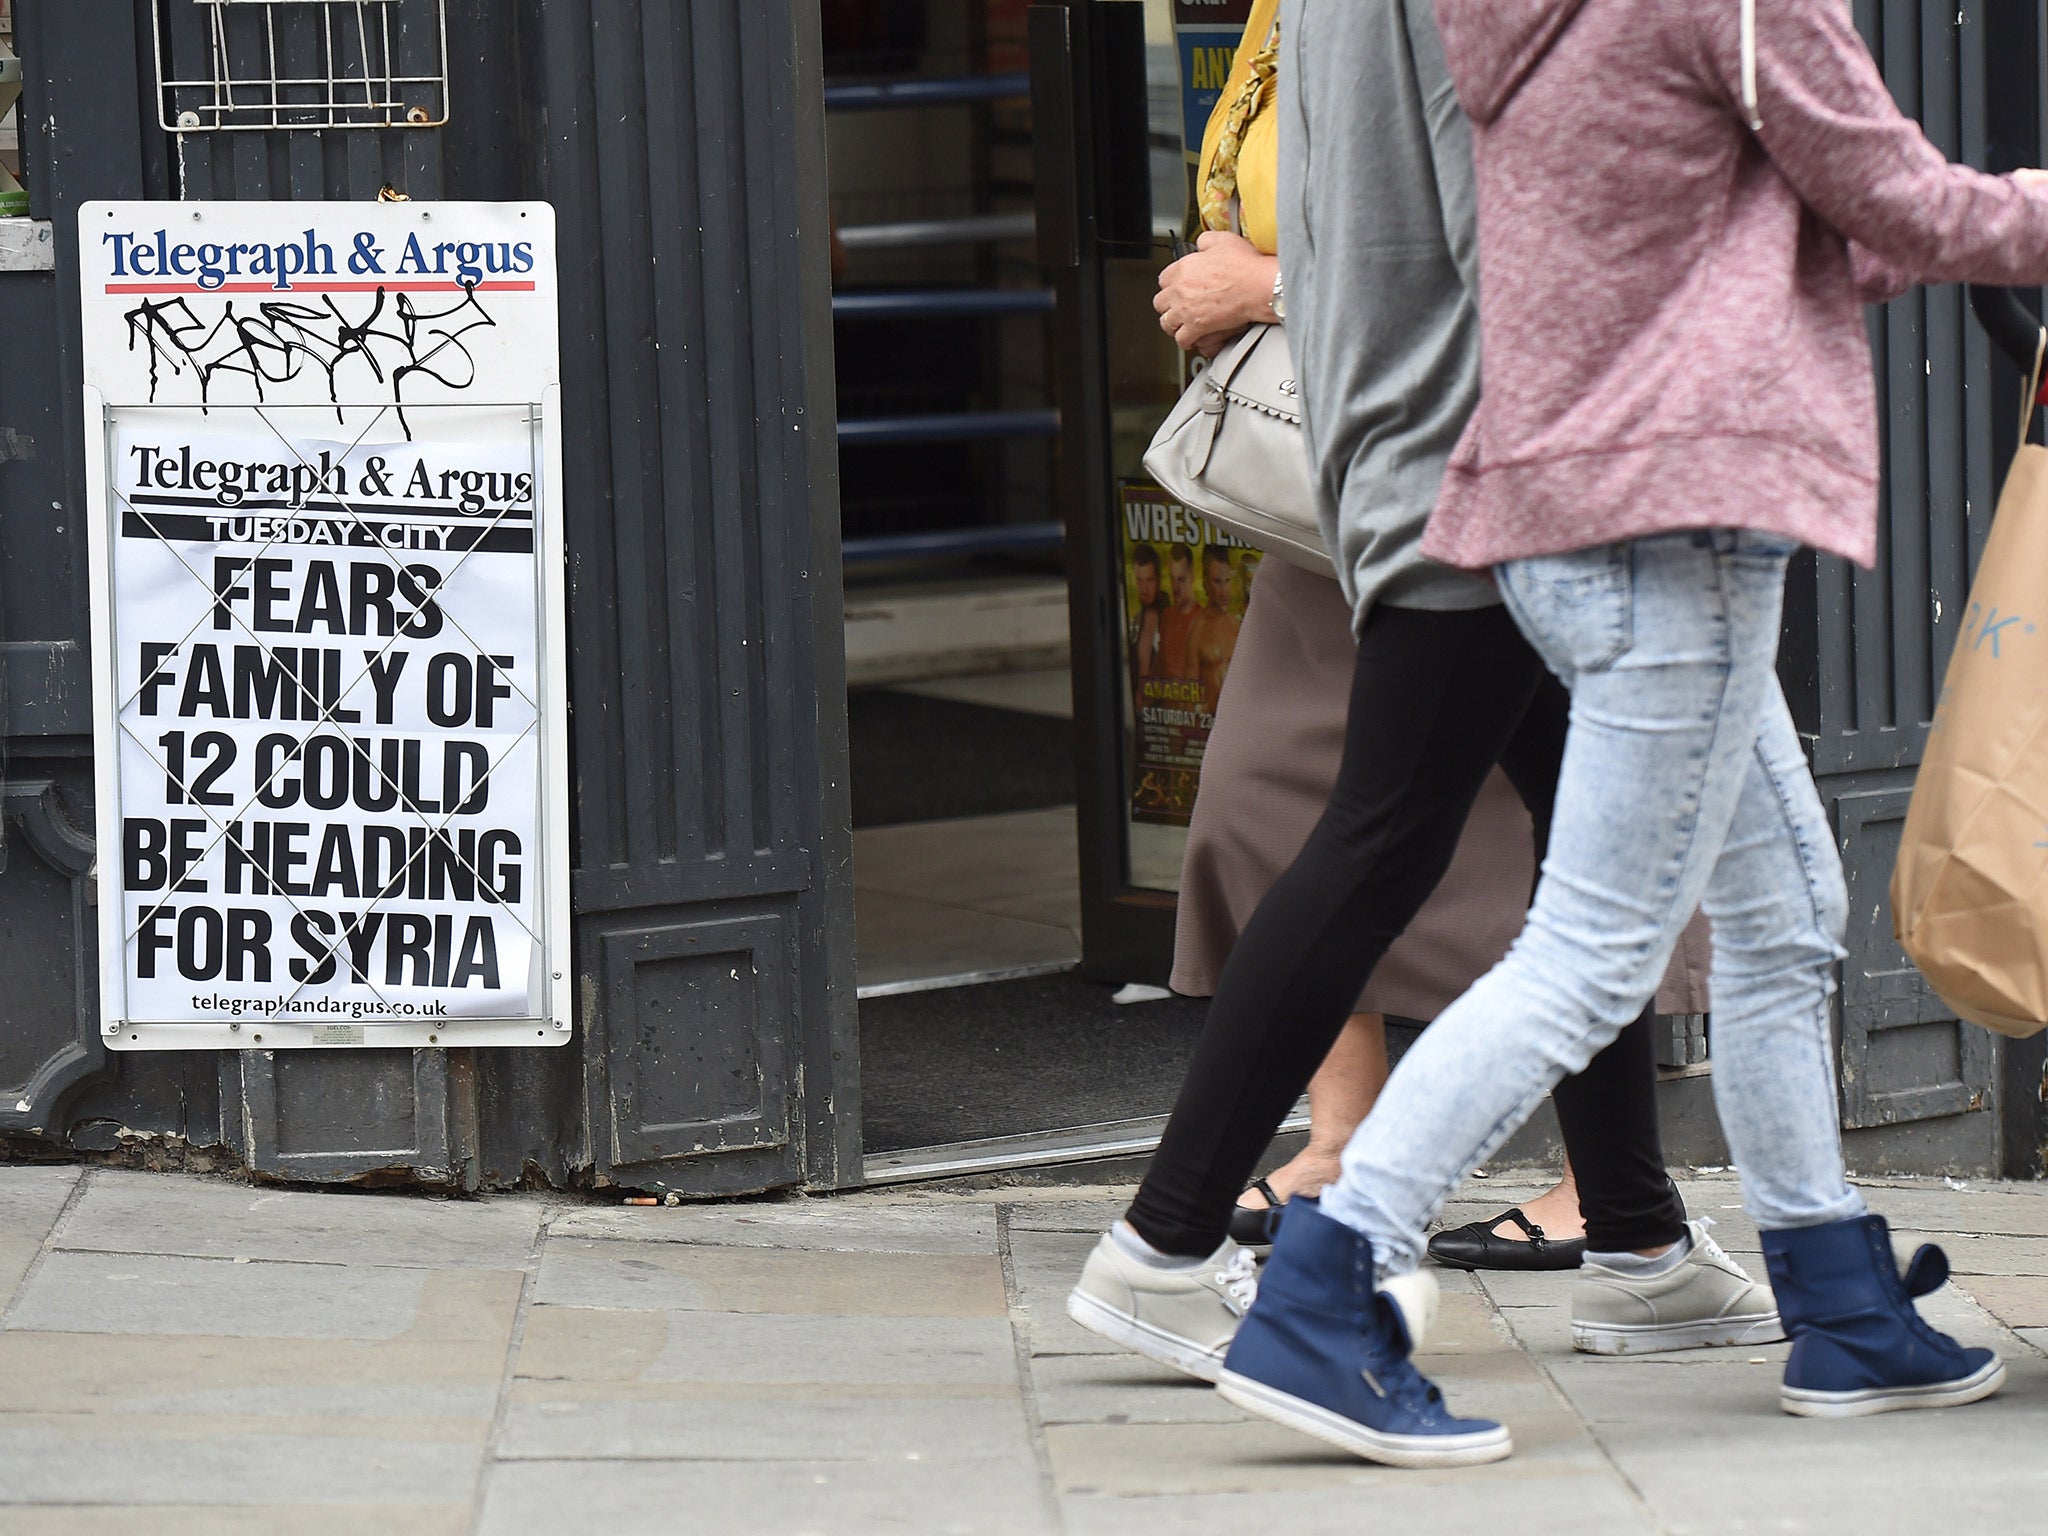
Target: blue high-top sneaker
<point>1324,1350</point>
<point>1858,1346</point>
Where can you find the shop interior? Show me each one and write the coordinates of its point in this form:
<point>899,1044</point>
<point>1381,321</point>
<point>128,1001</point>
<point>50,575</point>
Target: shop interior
<point>983,1043</point>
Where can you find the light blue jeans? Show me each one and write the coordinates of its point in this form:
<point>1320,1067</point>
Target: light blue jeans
<point>1683,783</point>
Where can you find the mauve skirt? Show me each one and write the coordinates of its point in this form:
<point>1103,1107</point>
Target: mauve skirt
<point>1266,775</point>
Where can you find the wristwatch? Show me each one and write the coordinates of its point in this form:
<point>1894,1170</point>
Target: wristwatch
<point>1280,296</point>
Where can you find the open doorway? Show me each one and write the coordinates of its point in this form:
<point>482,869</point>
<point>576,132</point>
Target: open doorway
<point>1006,893</point>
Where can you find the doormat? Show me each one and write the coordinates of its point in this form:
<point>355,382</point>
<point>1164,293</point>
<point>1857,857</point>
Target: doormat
<point>1016,1056</point>
<point>921,759</point>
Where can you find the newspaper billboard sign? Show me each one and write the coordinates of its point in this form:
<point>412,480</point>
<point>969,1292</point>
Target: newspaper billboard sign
<point>327,623</point>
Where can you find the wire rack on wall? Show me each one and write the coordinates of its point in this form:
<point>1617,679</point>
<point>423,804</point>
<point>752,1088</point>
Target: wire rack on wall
<point>274,64</point>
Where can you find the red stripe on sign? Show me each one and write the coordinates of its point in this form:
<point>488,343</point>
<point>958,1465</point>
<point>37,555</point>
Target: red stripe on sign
<point>388,287</point>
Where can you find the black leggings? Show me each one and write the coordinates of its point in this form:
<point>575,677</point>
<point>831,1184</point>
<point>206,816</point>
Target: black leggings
<point>1438,699</point>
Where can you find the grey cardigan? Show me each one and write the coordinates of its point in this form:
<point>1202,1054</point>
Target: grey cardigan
<point>1379,248</point>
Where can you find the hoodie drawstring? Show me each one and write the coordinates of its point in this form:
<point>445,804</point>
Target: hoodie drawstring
<point>1749,97</point>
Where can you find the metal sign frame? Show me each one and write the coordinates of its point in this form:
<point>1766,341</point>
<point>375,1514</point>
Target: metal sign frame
<point>423,405</point>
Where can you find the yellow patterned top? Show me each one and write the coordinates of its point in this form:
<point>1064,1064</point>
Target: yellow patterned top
<point>1241,145</point>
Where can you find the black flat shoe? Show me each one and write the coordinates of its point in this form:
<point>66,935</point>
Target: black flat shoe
<point>1251,1225</point>
<point>1474,1246</point>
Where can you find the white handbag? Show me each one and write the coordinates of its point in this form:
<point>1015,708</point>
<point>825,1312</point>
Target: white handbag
<point>1232,450</point>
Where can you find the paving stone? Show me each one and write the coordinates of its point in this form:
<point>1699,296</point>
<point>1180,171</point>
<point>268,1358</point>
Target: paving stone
<point>1542,1331</point>
<point>736,1427</point>
<point>674,1276</point>
<point>2037,1337</point>
<point>1517,1288</point>
<point>1992,1209</point>
<point>1713,1453</point>
<point>965,1497</point>
<point>1467,1323</point>
<point>1256,1456</point>
<point>31,1198</point>
<point>124,1212</point>
<point>1969,1254</point>
<point>53,1459</point>
<point>954,1227</point>
<point>1122,1389</point>
<point>1523,1501</point>
<point>2018,1301</point>
<point>117,1373</point>
<point>29,1191</point>
<point>582,1344</point>
<point>243,1520</point>
<point>144,1293</point>
<point>1045,1266</point>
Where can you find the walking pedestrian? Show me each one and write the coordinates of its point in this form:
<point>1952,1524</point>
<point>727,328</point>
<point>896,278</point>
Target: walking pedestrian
<point>1679,396</point>
<point>1443,688</point>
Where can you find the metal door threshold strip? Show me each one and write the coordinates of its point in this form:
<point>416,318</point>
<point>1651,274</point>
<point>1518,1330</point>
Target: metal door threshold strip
<point>965,979</point>
<point>1033,1149</point>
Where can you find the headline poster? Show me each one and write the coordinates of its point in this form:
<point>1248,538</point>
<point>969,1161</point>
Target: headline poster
<point>327,637</point>
<point>1186,584</point>
<point>1206,34</point>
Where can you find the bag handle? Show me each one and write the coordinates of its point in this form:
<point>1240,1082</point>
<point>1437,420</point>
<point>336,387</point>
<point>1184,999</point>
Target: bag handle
<point>2032,400</point>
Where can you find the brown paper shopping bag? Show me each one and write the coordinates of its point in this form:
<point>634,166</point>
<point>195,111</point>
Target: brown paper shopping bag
<point>1970,890</point>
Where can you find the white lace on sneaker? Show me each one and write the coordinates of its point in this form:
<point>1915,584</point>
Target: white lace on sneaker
<point>1240,1280</point>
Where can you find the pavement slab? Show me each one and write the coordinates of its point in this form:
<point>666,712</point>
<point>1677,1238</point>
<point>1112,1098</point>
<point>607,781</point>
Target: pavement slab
<point>928,1226</point>
<point>581,1272</point>
<point>999,1496</point>
<point>736,1426</point>
<point>767,1348</point>
<point>56,1459</point>
<point>1563,1504</point>
<point>31,1199</point>
<point>184,1355</point>
<point>124,1212</point>
<point>2018,1301</point>
<point>149,1293</point>
<point>1122,1389</point>
<point>238,1520</point>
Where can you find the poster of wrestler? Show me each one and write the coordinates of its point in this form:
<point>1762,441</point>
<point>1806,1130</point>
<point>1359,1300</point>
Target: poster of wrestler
<point>1185,586</point>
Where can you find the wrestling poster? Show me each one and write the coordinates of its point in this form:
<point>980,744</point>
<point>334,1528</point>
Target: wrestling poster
<point>1185,586</point>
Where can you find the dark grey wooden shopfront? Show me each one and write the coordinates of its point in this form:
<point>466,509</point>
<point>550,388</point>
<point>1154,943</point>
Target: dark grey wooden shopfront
<point>682,148</point>
<point>682,145</point>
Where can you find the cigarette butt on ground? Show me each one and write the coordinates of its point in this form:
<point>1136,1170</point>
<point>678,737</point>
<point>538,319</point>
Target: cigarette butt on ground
<point>642,1200</point>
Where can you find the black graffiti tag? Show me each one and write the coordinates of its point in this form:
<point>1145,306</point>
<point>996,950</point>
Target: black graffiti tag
<point>392,339</point>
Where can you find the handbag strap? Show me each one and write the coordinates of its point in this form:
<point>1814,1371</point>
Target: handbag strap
<point>1217,378</point>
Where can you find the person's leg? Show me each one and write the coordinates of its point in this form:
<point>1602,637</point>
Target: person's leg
<point>1778,908</point>
<point>1434,700</point>
<point>1608,1116</point>
<point>1669,645</point>
<point>1557,1212</point>
<point>1624,1198</point>
<point>1339,1096</point>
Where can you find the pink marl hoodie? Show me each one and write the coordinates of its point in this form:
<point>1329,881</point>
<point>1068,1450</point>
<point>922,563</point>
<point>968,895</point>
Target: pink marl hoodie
<point>1670,313</point>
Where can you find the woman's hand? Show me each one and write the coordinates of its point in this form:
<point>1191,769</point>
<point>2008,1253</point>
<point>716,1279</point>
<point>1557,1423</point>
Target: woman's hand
<point>1206,298</point>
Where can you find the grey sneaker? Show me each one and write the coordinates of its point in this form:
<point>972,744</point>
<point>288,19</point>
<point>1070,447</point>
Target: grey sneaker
<point>1708,1299</point>
<point>1183,1318</point>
